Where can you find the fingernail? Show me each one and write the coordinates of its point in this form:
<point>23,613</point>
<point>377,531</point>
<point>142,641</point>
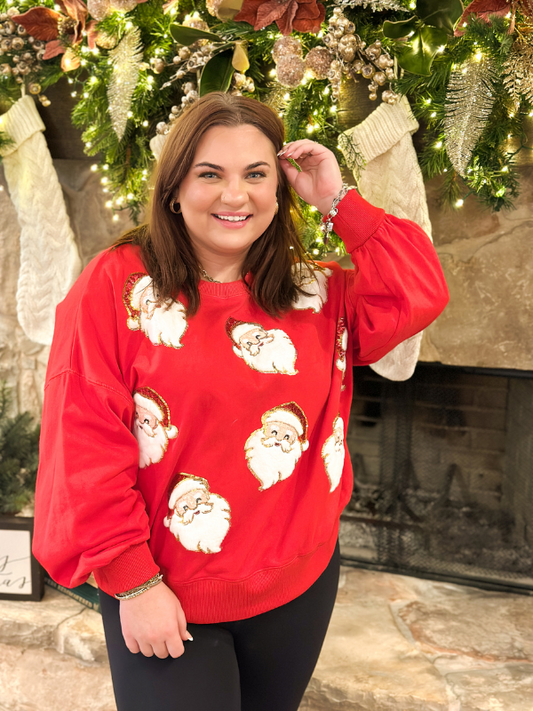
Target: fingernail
<point>280,153</point>
<point>190,638</point>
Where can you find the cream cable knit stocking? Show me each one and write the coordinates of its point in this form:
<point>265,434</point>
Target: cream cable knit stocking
<point>392,180</point>
<point>49,259</point>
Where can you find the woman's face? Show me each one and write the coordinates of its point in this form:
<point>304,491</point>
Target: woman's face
<point>228,197</point>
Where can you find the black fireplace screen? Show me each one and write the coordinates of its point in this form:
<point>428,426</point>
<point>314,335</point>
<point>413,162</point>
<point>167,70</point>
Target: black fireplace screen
<point>443,476</point>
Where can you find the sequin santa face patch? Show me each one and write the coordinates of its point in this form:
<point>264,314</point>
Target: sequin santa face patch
<point>333,453</point>
<point>267,351</point>
<point>314,283</point>
<point>341,344</point>
<point>273,451</point>
<point>152,426</point>
<point>197,518</point>
<point>164,323</point>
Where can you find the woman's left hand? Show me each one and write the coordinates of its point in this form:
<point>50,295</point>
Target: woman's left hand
<point>319,180</point>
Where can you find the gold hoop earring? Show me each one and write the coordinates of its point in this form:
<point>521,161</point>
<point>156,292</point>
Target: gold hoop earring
<point>277,208</point>
<point>173,207</point>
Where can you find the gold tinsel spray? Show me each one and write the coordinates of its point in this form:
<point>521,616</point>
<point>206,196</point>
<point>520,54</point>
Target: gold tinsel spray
<point>518,71</point>
<point>469,102</point>
<point>126,59</point>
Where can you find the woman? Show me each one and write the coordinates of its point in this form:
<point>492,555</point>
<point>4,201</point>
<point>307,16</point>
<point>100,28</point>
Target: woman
<point>196,405</point>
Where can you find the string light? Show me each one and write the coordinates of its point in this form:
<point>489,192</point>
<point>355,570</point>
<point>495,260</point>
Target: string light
<point>438,144</point>
<point>459,203</point>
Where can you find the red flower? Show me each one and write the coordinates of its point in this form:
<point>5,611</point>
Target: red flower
<point>289,15</point>
<point>60,30</point>
<point>485,8</point>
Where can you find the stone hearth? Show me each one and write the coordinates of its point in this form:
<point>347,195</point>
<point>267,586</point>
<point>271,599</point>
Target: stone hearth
<point>395,644</point>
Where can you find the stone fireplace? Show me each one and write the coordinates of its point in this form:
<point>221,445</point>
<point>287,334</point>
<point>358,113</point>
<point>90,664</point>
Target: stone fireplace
<point>442,476</point>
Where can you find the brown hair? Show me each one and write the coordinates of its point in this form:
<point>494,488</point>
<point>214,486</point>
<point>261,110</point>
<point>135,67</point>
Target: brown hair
<point>166,247</point>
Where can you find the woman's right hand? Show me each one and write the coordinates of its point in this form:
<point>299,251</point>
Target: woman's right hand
<point>154,623</point>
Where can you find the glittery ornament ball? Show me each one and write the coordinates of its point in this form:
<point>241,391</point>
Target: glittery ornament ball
<point>318,62</point>
<point>122,5</point>
<point>98,9</point>
<point>286,47</point>
<point>197,23</point>
<point>212,6</point>
<point>290,71</point>
<point>105,40</point>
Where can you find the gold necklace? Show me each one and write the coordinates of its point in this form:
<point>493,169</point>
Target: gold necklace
<point>208,278</point>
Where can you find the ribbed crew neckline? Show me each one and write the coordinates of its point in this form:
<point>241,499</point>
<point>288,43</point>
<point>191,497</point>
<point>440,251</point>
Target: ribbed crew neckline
<point>223,291</point>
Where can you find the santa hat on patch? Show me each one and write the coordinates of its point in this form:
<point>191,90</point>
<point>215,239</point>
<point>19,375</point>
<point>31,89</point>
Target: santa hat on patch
<point>184,485</point>
<point>235,329</point>
<point>135,284</point>
<point>154,403</point>
<point>290,414</point>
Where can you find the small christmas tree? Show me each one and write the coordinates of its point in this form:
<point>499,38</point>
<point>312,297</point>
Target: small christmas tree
<point>19,456</point>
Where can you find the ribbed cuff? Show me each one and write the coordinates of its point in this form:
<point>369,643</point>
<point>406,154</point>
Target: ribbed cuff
<point>20,123</point>
<point>356,220</point>
<point>131,568</point>
<point>384,128</point>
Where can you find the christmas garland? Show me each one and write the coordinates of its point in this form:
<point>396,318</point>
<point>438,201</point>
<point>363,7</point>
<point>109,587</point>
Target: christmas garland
<point>135,66</point>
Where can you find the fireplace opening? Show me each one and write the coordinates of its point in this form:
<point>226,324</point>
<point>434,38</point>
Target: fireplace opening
<point>443,476</point>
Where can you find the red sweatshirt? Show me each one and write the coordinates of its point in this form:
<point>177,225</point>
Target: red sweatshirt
<point>213,448</point>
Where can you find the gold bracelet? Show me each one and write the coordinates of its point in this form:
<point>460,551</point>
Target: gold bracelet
<point>140,588</point>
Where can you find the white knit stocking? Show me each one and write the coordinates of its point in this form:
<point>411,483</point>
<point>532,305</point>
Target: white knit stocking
<point>392,180</point>
<point>49,259</point>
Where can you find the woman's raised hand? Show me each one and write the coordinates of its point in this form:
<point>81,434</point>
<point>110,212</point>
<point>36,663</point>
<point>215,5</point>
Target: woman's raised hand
<point>319,180</point>
<point>154,623</point>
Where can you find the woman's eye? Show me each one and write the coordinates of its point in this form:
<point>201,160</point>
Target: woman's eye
<point>256,174</point>
<point>208,175</point>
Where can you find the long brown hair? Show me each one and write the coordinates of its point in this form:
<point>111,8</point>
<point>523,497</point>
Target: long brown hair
<point>166,248</point>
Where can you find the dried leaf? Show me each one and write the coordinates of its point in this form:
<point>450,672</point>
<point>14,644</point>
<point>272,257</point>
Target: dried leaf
<point>39,22</point>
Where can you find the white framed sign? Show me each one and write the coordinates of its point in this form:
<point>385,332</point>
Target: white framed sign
<point>21,576</point>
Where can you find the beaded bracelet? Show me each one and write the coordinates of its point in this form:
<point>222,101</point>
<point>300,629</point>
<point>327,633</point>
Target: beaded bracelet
<point>327,226</point>
<point>140,588</point>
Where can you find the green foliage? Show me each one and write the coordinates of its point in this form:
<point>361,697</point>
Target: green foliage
<point>19,457</point>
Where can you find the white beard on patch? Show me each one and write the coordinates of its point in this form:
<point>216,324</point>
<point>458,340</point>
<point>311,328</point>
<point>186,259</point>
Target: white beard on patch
<point>163,324</point>
<point>317,286</point>
<point>268,463</point>
<point>204,528</point>
<point>333,456</point>
<point>152,443</point>
<point>276,356</point>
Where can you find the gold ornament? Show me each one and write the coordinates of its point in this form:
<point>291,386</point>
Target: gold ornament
<point>290,71</point>
<point>34,88</point>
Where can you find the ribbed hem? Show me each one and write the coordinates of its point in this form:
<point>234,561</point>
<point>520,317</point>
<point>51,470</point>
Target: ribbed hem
<point>128,570</point>
<point>214,601</point>
<point>20,123</point>
<point>357,220</point>
<point>384,128</point>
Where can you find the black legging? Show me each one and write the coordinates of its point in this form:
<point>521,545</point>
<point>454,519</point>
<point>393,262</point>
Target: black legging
<point>260,664</point>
